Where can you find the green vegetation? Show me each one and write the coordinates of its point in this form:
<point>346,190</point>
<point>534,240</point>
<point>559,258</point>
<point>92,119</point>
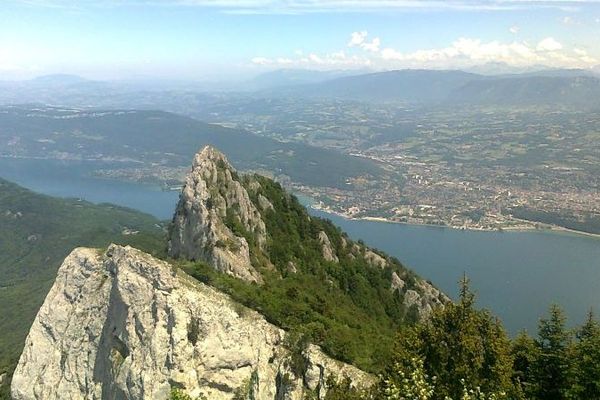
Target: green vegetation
<point>464,353</point>
<point>347,307</point>
<point>461,346</point>
<point>178,394</point>
<point>247,390</point>
<point>140,135</point>
<point>583,221</point>
<point>37,234</point>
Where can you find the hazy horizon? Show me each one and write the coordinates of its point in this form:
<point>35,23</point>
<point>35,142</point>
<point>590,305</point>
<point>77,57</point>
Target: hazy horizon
<point>205,40</point>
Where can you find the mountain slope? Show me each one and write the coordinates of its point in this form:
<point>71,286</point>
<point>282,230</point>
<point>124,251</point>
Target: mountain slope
<point>292,77</point>
<point>36,233</point>
<point>302,272</point>
<point>415,86</point>
<point>559,90</point>
<point>155,139</point>
<point>567,88</point>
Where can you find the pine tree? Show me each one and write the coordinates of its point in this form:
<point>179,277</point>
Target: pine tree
<point>553,367</point>
<point>525,354</point>
<point>460,347</point>
<point>587,357</point>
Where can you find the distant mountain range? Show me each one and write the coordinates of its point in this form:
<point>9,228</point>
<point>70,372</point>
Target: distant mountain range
<point>574,91</point>
<point>509,87</point>
<point>576,88</point>
<point>294,77</point>
<point>403,85</point>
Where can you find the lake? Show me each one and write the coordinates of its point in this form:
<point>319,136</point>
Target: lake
<point>74,179</point>
<point>516,274</point>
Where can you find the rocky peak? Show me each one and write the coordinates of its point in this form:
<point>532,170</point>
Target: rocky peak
<point>123,325</point>
<point>224,219</point>
<point>215,218</point>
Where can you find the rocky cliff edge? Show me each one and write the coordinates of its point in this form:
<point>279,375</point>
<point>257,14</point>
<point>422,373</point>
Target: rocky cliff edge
<point>122,325</point>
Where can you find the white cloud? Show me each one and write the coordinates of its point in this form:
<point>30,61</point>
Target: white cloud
<point>462,53</point>
<point>359,39</point>
<point>465,51</point>
<point>514,29</point>
<point>549,44</point>
<point>334,60</point>
<point>261,61</point>
<point>373,46</point>
<point>315,59</point>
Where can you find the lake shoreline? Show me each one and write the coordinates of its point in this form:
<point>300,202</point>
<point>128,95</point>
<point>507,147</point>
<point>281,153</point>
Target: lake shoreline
<point>543,228</point>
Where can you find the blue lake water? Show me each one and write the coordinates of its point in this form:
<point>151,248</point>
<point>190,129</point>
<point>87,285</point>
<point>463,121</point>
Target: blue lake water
<point>516,274</point>
<point>74,179</point>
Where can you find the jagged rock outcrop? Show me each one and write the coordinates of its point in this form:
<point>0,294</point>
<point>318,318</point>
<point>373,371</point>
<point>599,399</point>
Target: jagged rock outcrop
<point>375,259</point>
<point>212,196</point>
<point>327,248</point>
<point>397,282</point>
<point>424,297</point>
<point>429,298</point>
<point>123,325</point>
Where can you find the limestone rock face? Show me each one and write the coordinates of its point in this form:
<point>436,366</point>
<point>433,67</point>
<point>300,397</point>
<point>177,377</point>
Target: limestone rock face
<point>431,297</point>
<point>213,195</point>
<point>425,298</point>
<point>123,325</point>
<point>375,259</point>
<point>327,248</point>
<point>397,282</point>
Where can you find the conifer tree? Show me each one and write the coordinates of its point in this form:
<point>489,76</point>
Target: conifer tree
<point>460,347</point>
<point>553,367</point>
<point>525,354</point>
<point>587,358</point>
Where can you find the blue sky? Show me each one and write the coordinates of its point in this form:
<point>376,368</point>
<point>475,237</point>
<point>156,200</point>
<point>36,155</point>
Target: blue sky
<point>220,39</point>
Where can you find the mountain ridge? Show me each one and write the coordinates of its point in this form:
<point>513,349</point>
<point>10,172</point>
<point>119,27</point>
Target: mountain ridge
<point>572,88</point>
<point>225,219</point>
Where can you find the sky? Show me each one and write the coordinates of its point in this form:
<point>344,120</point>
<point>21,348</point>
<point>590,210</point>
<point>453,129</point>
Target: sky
<point>224,39</point>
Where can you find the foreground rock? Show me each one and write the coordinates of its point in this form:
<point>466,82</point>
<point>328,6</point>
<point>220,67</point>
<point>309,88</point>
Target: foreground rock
<point>123,325</point>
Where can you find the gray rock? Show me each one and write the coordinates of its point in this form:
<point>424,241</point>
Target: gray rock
<point>397,282</point>
<point>375,259</point>
<point>328,251</point>
<point>123,325</point>
<point>291,267</point>
<point>212,195</point>
<point>264,203</point>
